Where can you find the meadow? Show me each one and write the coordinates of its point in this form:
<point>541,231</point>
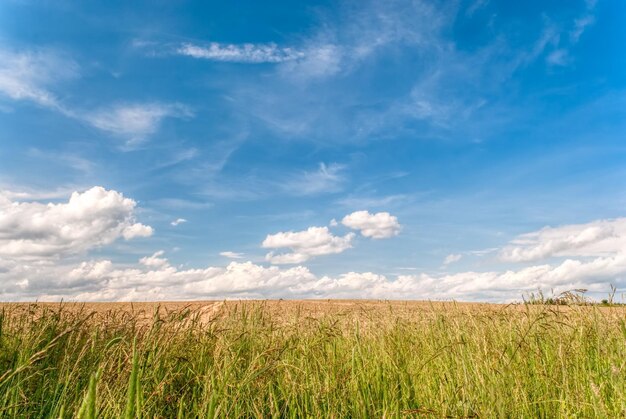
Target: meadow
<point>312,359</point>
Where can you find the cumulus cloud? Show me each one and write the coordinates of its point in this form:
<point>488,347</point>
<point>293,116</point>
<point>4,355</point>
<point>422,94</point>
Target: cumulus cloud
<point>314,241</point>
<point>155,261</point>
<point>178,221</point>
<point>594,257</point>
<point>156,279</point>
<point>381,225</point>
<point>597,238</point>
<point>87,220</point>
<point>232,255</point>
<point>240,53</point>
<point>137,230</point>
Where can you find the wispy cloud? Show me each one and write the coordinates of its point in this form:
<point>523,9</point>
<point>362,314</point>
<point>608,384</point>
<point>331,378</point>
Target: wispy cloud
<point>584,21</point>
<point>23,193</point>
<point>232,255</point>
<point>32,75</point>
<point>357,201</point>
<point>559,57</point>
<point>68,159</point>
<point>178,222</point>
<point>451,92</point>
<point>28,76</point>
<point>240,53</point>
<point>134,122</point>
<point>328,178</point>
<point>186,204</point>
<point>317,61</point>
<point>305,100</point>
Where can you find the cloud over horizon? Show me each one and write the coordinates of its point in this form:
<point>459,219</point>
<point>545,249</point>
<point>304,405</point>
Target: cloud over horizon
<point>33,232</point>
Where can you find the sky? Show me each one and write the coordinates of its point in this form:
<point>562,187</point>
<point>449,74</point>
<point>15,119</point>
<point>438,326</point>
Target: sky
<point>469,150</point>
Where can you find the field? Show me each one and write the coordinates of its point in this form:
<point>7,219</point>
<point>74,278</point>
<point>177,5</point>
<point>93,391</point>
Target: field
<point>312,359</point>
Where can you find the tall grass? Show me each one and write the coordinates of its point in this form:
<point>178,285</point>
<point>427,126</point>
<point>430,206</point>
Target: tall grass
<point>441,360</point>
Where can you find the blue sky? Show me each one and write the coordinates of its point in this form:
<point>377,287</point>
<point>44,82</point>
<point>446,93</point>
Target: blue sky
<point>475,149</point>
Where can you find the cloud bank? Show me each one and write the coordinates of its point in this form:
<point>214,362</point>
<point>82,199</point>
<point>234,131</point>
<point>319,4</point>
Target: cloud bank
<point>155,279</point>
<point>40,243</point>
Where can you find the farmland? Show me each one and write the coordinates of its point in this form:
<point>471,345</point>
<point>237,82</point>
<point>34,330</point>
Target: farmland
<point>311,359</point>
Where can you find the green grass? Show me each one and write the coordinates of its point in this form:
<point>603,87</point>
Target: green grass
<point>440,361</point>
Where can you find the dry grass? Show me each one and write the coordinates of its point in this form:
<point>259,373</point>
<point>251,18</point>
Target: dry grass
<point>311,358</point>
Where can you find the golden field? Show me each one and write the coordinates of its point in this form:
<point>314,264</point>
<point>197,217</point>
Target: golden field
<point>311,358</point>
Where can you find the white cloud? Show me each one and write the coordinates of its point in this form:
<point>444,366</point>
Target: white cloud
<point>451,258</point>
<point>596,250</point>
<point>240,53</point>
<point>597,238</point>
<point>317,241</point>
<point>155,279</point>
<point>155,261</point>
<point>28,75</point>
<point>318,61</point>
<point>178,221</point>
<point>21,193</point>
<point>314,241</point>
<point>89,219</point>
<point>31,75</point>
<point>328,178</point>
<point>134,122</point>
<point>137,230</point>
<point>381,225</point>
<point>232,255</point>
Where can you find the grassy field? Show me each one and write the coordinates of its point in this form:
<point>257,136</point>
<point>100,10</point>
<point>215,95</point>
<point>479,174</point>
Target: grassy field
<point>312,359</point>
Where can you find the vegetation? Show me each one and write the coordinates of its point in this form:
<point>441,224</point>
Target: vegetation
<point>574,297</point>
<point>288,359</point>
